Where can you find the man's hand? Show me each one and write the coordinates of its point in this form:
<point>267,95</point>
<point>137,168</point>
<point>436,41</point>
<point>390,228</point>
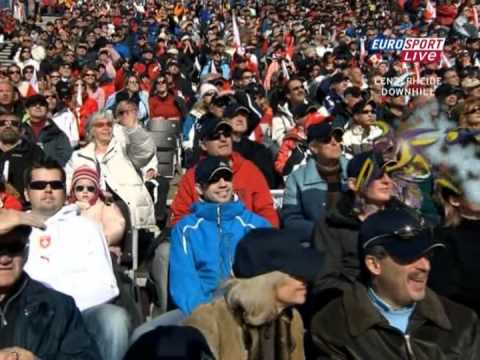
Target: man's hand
<point>16,353</point>
<point>10,219</point>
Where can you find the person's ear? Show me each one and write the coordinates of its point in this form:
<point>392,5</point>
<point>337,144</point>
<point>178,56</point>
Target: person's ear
<point>373,265</point>
<point>202,145</point>
<point>25,194</point>
<point>351,184</point>
<point>199,190</point>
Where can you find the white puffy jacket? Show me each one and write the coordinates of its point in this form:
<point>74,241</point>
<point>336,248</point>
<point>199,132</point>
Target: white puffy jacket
<point>120,169</point>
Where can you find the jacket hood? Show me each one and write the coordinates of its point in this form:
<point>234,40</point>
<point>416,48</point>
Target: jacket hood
<point>218,212</point>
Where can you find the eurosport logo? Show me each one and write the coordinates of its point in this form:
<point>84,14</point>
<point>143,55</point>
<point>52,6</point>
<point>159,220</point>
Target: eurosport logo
<point>413,50</point>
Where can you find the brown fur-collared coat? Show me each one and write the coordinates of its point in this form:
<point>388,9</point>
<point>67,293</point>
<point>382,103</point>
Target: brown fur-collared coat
<point>226,332</point>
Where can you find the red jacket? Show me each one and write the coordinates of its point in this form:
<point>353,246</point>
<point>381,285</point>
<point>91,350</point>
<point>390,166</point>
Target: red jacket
<point>446,14</point>
<point>8,201</point>
<point>248,183</point>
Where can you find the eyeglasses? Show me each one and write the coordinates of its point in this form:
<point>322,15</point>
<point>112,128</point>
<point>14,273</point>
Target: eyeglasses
<point>42,185</point>
<point>473,110</point>
<point>28,72</point>
<point>162,81</point>
<point>368,112</point>
<point>14,248</point>
<point>53,76</point>
<point>38,105</point>
<point>226,133</point>
<point>81,188</point>
<point>337,135</point>
<point>13,123</point>
<point>49,96</point>
<point>11,72</point>
<point>89,75</point>
<point>101,124</point>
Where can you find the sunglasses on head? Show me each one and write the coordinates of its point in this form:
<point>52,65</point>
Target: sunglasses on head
<point>13,249</point>
<point>41,185</point>
<point>13,123</point>
<point>81,188</point>
<point>226,133</point>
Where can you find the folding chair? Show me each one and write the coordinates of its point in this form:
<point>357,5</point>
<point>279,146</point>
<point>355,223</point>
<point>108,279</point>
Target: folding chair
<point>166,135</point>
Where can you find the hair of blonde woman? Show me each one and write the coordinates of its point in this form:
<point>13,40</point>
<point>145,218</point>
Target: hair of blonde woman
<point>467,106</point>
<point>255,298</point>
<point>102,114</point>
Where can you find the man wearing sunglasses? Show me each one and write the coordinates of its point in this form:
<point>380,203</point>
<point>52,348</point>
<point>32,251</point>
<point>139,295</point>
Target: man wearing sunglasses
<point>36,321</point>
<point>314,188</point>
<point>391,314</point>
<point>362,130</point>
<point>71,256</point>
<point>16,153</point>
<point>203,243</point>
<point>370,188</point>
<point>41,130</point>
<point>248,182</point>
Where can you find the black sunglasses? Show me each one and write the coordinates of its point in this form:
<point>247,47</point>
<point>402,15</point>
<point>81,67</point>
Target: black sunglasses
<point>81,188</point>
<point>13,123</point>
<point>13,249</point>
<point>41,185</point>
<point>227,132</point>
<point>337,135</point>
<point>225,175</point>
<point>473,111</point>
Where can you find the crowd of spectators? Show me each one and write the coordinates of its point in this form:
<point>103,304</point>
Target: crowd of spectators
<point>238,179</point>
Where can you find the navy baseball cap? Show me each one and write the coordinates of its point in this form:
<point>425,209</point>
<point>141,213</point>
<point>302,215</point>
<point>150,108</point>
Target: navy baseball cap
<point>235,108</point>
<point>322,131</point>
<point>403,233</point>
<point>210,124</point>
<point>211,169</point>
<point>265,250</point>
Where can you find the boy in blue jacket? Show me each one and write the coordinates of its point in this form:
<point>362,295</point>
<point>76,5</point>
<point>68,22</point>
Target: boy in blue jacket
<point>203,243</point>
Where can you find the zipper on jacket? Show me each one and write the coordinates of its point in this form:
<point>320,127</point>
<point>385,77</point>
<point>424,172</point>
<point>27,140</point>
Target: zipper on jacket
<point>3,312</point>
<point>411,355</point>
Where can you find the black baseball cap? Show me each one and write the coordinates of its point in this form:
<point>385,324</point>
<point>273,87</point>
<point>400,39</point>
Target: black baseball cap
<point>15,241</point>
<point>235,108</point>
<point>36,100</point>
<point>303,109</point>
<point>210,124</point>
<point>212,167</point>
<point>265,250</point>
<point>322,131</point>
<point>403,233</point>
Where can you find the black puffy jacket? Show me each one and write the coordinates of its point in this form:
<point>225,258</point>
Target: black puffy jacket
<point>46,323</point>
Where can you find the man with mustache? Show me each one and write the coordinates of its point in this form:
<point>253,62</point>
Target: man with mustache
<point>392,314</point>
<point>16,153</point>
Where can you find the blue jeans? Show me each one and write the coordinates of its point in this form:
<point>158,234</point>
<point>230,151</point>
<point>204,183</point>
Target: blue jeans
<point>109,326</point>
<point>174,317</point>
